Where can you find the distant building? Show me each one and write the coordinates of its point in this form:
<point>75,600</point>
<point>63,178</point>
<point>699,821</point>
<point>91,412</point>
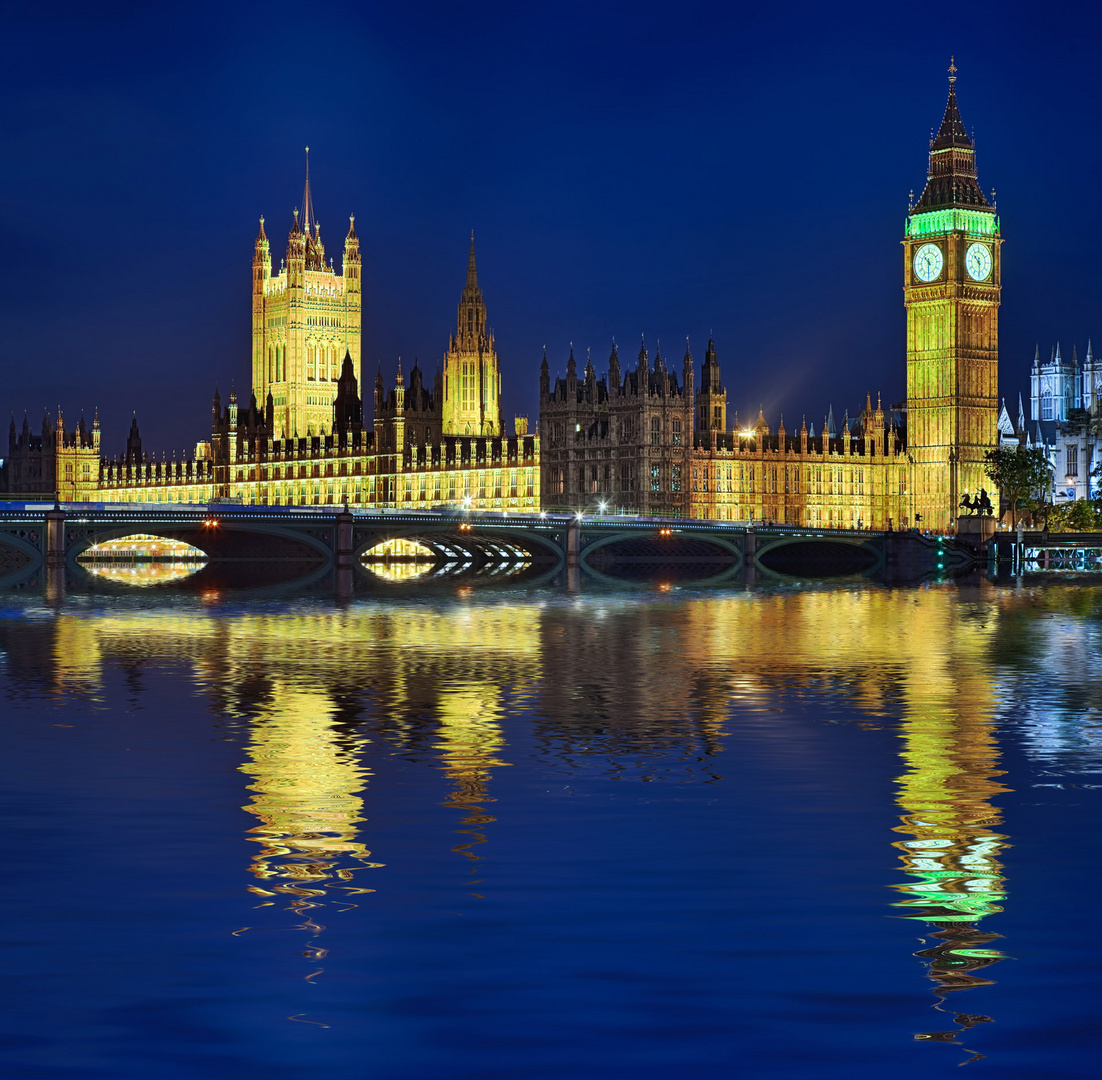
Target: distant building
<point>1066,419</point>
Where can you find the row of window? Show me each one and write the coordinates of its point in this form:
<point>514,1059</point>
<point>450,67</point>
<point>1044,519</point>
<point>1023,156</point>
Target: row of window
<point>626,431</point>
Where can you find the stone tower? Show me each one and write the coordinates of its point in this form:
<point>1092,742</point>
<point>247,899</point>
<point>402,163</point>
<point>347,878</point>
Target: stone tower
<point>711,401</point>
<point>951,285</point>
<point>471,383</point>
<point>305,319</point>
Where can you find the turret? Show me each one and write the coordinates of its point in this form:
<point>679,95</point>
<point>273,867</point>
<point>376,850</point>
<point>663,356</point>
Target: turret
<point>399,418</point>
<point>233,425</point>
<point>262,259</point>
<point>615,380</point>
<point>687,374</point>
<point>133,443</point>
<point>711,402</point>
<point>545,378</point>
<point>95,431</point>
<point>348,407</point>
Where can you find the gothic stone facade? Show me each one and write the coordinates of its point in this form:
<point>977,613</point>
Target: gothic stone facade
<point>305,319</point>
<point>648,447</point>
<point>622,441</point>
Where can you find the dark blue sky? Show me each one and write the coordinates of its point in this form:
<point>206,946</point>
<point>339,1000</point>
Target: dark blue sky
<point>668,170</point>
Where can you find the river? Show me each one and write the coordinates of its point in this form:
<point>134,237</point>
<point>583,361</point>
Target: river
<point>494,832</point>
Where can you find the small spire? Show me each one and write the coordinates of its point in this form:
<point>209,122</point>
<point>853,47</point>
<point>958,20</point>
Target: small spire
<point>472,271</point>
<point>307,199</point>
<point>952,69</point>
<point>262,236</point>
<point>351,227</point>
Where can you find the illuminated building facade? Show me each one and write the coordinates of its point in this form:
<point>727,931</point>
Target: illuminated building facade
<point>1066,419</point>
<point>306,319</point>
<point>952,274</point>
<point>852,480</point>
<point>55,460</point>
<point>629,442</point>
<point>308,444</point>
<point>352,463</point>
<point>471,402</point>
<point>644,444</point>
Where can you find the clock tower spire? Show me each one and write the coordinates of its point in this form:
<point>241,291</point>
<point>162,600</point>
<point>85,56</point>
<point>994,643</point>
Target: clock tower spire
<point>951,286</point>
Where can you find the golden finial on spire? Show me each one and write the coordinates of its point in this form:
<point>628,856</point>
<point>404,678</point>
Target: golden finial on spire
<point>952,69</point>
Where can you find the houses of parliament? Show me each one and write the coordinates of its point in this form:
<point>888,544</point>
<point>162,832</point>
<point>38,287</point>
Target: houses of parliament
<point>644,438</point>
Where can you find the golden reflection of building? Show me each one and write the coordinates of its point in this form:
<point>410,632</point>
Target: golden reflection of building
<point>469,739</point>
<point>306,785</point>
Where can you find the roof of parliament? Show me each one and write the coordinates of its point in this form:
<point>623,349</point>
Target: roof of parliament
<point>951,179</point>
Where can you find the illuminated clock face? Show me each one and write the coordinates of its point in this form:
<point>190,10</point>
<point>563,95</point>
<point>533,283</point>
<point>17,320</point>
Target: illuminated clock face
<point>977,261</point>
<point>928,262</point>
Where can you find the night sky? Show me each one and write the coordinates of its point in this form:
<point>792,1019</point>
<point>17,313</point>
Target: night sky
<point>670,170</point>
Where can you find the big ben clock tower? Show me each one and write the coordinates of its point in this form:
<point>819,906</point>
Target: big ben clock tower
<point>951,285</point>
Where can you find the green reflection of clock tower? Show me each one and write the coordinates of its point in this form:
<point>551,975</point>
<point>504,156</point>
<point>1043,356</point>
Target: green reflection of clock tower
<point>951,276</point>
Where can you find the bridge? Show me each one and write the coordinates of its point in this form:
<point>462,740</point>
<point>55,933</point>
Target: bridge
<point>605,546</point>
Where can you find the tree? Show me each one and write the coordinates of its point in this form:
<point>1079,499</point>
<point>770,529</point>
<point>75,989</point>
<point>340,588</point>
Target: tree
<point>1021,475</point>
<point>1082,515</point>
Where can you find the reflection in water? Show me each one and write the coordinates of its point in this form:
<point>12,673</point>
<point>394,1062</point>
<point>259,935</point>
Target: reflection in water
<point>469,737</point>
<point>634,687</point>
<point>951,753</point>
<point>142,572</point>
<point>306,784</point>
<point>399,571</point>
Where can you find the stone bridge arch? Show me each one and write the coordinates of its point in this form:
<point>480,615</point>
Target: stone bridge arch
<point>850,552</point>
<point>659,542</point>
<point>484,540</point>
<point>228,539</point>
<point>21,546</point>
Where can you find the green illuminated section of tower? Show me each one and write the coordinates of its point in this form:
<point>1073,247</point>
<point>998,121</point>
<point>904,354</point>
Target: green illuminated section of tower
<point>952,281</point>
